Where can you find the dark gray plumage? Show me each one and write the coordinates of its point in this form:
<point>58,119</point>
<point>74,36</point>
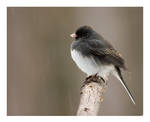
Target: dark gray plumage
<point>93,54</point>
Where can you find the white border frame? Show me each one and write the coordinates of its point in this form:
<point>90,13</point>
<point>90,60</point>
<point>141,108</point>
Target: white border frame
<point>71,3</point>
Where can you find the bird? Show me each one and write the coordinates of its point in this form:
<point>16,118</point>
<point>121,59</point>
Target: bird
<point>95,55</point>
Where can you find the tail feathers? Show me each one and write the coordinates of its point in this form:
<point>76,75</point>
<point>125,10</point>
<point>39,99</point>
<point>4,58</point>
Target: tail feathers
<point>119,76</point>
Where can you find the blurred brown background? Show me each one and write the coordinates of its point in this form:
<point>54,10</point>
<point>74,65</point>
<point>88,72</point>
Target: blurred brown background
<point>43,79</point>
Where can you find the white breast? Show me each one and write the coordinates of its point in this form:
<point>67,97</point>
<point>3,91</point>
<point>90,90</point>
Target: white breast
<point>89,65</point>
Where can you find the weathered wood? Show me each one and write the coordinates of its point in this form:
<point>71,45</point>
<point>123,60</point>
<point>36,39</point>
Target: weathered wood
<point>91,96</point>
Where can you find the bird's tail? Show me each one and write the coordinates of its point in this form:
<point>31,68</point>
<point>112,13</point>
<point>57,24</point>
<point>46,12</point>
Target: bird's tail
<point>119,76</point>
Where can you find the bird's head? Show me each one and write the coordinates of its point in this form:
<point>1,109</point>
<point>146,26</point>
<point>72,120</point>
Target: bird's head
<point>83,32</point>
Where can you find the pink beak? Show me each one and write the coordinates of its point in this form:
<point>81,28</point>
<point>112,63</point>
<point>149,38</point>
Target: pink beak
<point>73,35</point>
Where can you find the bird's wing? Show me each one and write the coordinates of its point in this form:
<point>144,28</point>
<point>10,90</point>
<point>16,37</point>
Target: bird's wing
<point>108,55</point>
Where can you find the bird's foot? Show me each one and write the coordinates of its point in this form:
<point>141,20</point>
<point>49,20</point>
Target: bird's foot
<point>93,78</point>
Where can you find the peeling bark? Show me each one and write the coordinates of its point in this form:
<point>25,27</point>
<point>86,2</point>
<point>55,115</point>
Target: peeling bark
<point>91,96</point>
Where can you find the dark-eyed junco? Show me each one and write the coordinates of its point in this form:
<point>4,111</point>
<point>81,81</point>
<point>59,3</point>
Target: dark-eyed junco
<point>93,54</point>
